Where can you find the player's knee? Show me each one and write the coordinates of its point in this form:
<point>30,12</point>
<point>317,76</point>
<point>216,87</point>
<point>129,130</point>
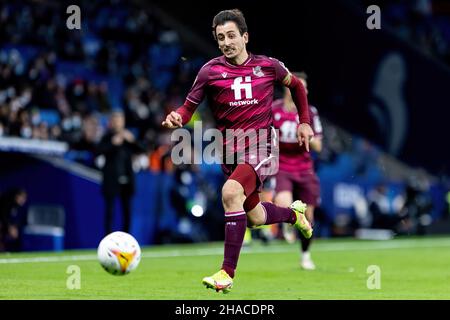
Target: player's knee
<point>232,193</point>
<point>255,219</point>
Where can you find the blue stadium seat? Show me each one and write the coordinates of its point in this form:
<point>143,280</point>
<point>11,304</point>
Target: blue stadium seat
<point>45,228</point>
<point>51,117</point>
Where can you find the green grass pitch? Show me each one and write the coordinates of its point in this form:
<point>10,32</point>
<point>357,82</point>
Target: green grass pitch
<point>410,268</point>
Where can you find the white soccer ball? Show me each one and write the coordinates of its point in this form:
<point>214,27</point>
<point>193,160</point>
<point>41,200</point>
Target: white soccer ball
<point>119,253</point>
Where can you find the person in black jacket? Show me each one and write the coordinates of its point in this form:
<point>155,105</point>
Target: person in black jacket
<point>118,145</point>
<point>12,218</point>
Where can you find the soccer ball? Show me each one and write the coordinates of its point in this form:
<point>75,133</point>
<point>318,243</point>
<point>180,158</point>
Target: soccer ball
<point>119,253</point>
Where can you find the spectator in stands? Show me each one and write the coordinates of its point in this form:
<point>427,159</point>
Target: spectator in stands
<point>54,78</point>
<point>85,147</point>
<point>12,218</point>
<point>102,97</point>
<point>118,145</point>
<point>90,134</point>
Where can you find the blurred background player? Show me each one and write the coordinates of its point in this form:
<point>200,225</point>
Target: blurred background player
<point>296,178</point>
<point>239,87</point>
<point>118,146</point>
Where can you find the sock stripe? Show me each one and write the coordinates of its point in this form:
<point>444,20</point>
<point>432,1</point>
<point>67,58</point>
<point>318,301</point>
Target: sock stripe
<point>234,213</point>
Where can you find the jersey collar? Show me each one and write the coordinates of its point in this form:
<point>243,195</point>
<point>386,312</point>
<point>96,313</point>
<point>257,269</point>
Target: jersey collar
<point>249,58</point>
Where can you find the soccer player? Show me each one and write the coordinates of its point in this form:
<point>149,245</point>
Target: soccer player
<point>239,86</point>
<point>296,177</point>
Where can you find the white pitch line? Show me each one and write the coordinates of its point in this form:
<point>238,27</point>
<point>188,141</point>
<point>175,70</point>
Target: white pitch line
<point>354,246</point>
<point>48,259</point>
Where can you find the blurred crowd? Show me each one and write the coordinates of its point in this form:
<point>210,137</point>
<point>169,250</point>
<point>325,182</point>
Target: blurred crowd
<point>61,84</point>
<point>64,85</point>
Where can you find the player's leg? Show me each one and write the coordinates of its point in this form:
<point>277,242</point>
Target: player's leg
<point>306,261</point>
<point>233,198</point>
<point>241,182</point>
<point>266,213</point>
<point>268,232</point>
<point>264,231</point>
<point>284,185</point>
<point>308,188</point>
<point>240,196</point>
<point>284,199</point>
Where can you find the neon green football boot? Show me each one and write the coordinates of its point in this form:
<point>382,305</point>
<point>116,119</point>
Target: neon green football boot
<point>302,223</point>
<point>247,237</point>
<point>220,281</point>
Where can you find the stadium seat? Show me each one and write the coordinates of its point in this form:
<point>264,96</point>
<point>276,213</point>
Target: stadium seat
<point>45,228</point>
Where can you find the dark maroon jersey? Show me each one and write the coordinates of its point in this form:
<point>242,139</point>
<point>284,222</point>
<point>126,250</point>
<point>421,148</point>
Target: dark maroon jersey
<point>293,158</point>
<point>240,96</point>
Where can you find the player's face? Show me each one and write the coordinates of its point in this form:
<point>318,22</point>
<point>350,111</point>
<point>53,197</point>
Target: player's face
<point>231,42</point>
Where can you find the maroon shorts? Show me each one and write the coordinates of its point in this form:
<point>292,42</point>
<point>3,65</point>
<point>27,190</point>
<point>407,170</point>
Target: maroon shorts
<point>304,185</point>
<point>263,168</point>
<point>251,175</point>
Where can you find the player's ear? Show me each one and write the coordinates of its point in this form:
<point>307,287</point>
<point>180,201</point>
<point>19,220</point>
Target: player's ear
<point>245,36</point>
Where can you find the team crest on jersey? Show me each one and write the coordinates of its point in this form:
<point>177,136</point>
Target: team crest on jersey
<point>257,71</point>
<point>224,74</point>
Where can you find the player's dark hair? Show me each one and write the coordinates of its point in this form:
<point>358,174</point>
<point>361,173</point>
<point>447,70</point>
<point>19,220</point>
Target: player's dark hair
<point>234,15</point>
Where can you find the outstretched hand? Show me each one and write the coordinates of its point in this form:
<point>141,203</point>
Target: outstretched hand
<point>173,120</point>
<point>304,135</point>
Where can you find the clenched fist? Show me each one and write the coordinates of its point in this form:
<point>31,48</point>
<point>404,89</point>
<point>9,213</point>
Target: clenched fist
<point>173,120</point>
